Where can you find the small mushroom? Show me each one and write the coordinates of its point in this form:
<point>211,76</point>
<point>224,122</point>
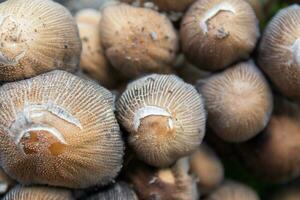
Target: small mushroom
<point>93,61</point>
<point>233,191</point>
<point>60,130</point>
<point>138,40</point>
<point>216,33</point>
<point>208,169</point>
<point>165,184</point>
<point>37,193</point>
<point>239,102</point>
<point>279,52</point>
<point>37,36</point>
<point>118,191</point>
<point>164,116</point>
<point>273,155</point>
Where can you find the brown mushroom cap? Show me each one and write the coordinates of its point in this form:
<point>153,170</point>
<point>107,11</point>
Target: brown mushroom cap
<point>233,191</point>
<point>274,155</point>
<point>37,36</point>
<point>164,116</point>
<point>216,33</point>
<point>37,193</point>
<point>239,102</point>
<point>280,50</point>
<point>60,130</point>
<point>137,40</point>
<point>208,169</point>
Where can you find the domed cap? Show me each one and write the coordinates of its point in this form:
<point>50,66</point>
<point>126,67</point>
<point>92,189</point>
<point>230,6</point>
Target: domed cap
<point>164,116</point>
<point>60,130</point>
<point>138,40</point>
<point>37,36</point>
<point>216,33</point>
<point>279,54</point>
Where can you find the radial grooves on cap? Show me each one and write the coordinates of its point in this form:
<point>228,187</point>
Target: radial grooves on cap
<point>48,38</point>
<point>175,97</point>
<point>279,51</point>
<point>96,147</point>
<point>239,102</point>
<point>37,193</point>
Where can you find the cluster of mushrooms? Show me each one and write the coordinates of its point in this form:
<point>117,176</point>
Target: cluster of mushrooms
<point>145,99</point>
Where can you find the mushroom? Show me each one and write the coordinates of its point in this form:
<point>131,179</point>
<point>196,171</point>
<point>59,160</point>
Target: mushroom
<point>37,193</point>
<point>231,190</point>
<point>166,183</point>
<point>37,36</point>
<point>239,102</point>
<point>208,168</point>
<point>138,40</point>
<point>93,61</point>
<point>273,155</point>
<point>60,130</point>
<point>279,52</point>
<point>118,191</point>
<point>164,116</point>
<point>216,33</point>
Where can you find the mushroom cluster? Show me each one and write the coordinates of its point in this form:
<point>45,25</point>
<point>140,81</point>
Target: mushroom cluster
<point>149,100</point>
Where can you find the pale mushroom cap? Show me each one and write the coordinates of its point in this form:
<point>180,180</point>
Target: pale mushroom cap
<point>93,61</point>
<point>164,116</point>
<point>279,54</point>
<point>239,102</point>
<point>59,129</point>
<point>119,191</point>
<point>137,40</point>
<point>37,193</point>
<point>208,168</point>
<point>37,36</point>
<point>274,155</point>
<point>233,191</point>
<point>216,33</point>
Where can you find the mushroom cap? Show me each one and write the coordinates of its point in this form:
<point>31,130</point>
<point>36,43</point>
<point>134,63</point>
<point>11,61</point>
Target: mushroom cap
<point>216,33</point>
<point>233,191</point>
<point>137,40</point>
<point>37,193</point>
<point>93,61</point>
<point>164,116</point>
<point>37,36</point>
<point>279,52</point>
<point>239,102</point>
<point>274,154</point>
<point>118,191</point>
<point>208,168</point>
<point>60,130</point>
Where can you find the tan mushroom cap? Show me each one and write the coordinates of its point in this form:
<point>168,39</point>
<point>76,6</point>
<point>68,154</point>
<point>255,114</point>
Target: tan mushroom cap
<point>37,36</point>
<point>239,102</point>
<point>233,191</point>
<point>279,54</point>
<point>164,116</point>
<point>137,40</point>
<point>60,130</point>
<point>37,193</point>
<point>274,155</point>
<point>93,61</point>
<point>216,33</point>
<point>208,169</point>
